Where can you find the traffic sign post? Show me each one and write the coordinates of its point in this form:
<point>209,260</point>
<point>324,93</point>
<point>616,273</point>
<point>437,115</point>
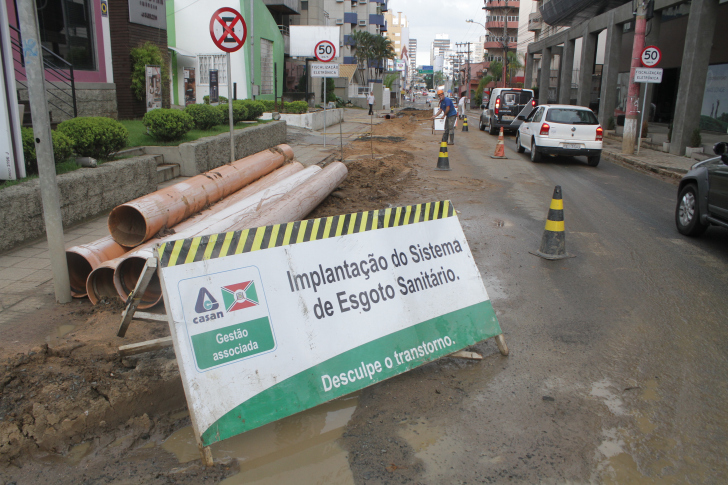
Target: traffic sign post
<point>229,31</point>
<point>325,51</point>
<point>650,57</point>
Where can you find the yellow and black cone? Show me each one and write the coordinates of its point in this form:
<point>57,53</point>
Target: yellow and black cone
<point>465,123</point>
<point>553,242</point>
<point>443,161</point>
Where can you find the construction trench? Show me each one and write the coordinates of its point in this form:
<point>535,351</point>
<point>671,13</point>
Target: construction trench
<point>74,400</point>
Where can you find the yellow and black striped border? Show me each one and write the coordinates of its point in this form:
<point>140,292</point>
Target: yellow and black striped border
<point>183,251</point>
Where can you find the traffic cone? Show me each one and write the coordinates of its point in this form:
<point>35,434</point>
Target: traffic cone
<point>553,242</point>
<point>465,123</point>
<point>500,148</point>
<point>443,161</point>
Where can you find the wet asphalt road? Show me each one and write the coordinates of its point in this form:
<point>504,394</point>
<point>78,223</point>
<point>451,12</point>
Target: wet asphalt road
<point>618,363</point>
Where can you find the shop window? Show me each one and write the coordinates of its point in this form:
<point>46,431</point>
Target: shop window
<point>66,29</point>
<point>212,61</point>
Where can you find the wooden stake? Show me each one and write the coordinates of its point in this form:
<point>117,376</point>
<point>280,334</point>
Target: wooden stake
<point>148,346</point>
<point>463,354</point>
<point>136,296</point>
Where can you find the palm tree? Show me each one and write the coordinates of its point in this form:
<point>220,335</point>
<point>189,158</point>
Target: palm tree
<point>362,48</point>
<point>382,50</point>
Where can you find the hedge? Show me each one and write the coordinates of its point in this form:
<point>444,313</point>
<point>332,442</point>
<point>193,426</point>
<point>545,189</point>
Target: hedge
<point>204,115</point>
<point>168,124</point>
<point>62,149</point>
<point>95,136</point>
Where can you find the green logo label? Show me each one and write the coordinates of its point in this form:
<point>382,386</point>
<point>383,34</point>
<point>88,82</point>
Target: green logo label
<point>232,343</point>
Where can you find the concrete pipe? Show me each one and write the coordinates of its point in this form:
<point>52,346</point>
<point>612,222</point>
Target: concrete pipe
<point>130,268</point>
<point>83,259</point>
<point>137,221</point>
<point>298,203</point>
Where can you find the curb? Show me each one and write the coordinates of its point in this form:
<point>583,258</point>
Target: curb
<point>674,173</point>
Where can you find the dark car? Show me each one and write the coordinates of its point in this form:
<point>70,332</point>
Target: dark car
<point>703,195</point>
<point>503,108</point>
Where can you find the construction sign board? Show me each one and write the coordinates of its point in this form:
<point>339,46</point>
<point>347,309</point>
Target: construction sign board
<point>271,321</point>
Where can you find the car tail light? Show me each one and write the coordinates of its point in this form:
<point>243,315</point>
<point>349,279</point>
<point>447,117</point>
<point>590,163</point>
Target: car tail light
<point>533,102</point>
<point>545,129</point>
<point>497,106</point>
<point>600,133</point>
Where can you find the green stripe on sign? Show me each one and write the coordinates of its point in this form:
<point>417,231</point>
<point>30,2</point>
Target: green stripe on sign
<point>232,343</point>
<point>362,366</point>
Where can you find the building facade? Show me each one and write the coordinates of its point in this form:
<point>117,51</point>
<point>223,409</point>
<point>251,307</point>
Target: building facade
<point>693,93</point>
<point>501,22</point>
<point>413,57</point>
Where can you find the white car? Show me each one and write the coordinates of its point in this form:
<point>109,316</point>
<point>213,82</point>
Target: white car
<point>559,129</point>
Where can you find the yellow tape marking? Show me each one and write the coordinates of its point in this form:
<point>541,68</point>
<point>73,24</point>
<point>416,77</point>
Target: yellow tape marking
<point>555,226</point>
<point>387,215</point>
<point>193,250</point>
<point>175,252</point>
<point>241,242</point>
<point>301,231</point>
<point>375,219</point>
<point>557,204</point>
<point>287,235</point>
<point>327,228</point>
<point>340,225</point>
<point>210,247</point>
<point>363,225</point>
<point>274,236</point>
<point>314,230</point>
<point>258,238</point>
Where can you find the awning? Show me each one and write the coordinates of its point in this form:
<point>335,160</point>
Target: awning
<point>347,70</point>
<point>181,52</point>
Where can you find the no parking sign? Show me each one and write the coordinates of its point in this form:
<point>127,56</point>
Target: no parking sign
<point>228,29</point>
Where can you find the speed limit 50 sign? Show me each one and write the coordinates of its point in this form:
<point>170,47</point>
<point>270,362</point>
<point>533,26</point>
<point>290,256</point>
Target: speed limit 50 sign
<point>325,51</point>
<point>651,56</point>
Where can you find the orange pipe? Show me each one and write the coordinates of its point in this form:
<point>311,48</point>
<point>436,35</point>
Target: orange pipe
<point>298,203</point>
<point>129,269</point>
<point>100,282</point>
<point>83,259</point>
<point>137,221</point>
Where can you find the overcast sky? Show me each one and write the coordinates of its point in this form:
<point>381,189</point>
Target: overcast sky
<point>429,17</point>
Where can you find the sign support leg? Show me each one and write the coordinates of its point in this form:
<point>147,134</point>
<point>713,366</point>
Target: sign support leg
<point>341,135</point>
<point>642,117</point>
<point>230,109</point>
<point>500,341</point>
<point>324,78</point>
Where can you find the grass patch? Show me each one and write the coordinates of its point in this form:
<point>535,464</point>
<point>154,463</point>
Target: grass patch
<point>138,136</point>
<point>63,167</point>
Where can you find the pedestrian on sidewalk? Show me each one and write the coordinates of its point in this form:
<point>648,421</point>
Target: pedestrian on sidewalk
<point>451,114</point>
<point>370,100</point>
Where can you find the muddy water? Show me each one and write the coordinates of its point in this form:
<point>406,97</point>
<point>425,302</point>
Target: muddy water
<point>299,449</point>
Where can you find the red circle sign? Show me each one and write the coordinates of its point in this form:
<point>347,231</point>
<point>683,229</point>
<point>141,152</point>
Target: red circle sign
<point>325,51</point>
<point>228,29</point>
<point>651,56</point>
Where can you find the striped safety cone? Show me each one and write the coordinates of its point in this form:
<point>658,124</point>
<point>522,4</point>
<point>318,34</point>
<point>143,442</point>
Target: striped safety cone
<point>465,123</point>
<point>443,161</point>
<point>500,148</point>
<point>553,242</point>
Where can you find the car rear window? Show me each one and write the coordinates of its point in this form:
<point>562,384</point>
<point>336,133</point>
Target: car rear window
<point>511,98</point>
<point>571,116</point>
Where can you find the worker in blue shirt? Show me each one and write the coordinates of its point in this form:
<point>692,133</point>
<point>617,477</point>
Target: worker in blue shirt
<point>448,108</point>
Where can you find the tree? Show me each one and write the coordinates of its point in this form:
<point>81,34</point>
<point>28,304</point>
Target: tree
<point>514,64</point>
<point>439,79</point>
<point>372,52</point>
<point>496,70</point>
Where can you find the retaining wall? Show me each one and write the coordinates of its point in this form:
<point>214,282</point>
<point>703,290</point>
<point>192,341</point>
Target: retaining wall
<point>83,193</point>
<point>213,151</point>
<point>311,121</point>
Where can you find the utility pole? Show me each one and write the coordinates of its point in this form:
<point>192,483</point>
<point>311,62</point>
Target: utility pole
<point>50,198</point>
<point>633,94</point>
<point>505,44</point>
<point>467,89</point>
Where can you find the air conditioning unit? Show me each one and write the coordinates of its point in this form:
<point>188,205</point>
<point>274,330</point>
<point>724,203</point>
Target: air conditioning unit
<point>363,2</point>
<point>339,21</point>
<point>362,23</point>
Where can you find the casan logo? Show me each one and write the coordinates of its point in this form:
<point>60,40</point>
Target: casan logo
<point>206,303</point>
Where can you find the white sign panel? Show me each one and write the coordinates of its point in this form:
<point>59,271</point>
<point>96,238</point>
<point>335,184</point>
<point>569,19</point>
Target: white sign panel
<point>324,69</point>
<point>399,65</point>
<point>148,12</point>
<point>313,310</point>
<point>648,75</point>
<point>304,38</point>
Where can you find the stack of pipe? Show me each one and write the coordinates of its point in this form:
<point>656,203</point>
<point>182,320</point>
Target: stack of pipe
<point>112,265</point>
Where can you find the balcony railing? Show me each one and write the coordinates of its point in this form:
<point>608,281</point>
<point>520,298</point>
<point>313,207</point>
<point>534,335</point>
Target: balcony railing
<point>58,76</point>
<point>535,22</point>
<point>502,4</point>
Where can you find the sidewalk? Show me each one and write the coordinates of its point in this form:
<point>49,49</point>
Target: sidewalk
<point>26,280</point>
<point>662,163</point>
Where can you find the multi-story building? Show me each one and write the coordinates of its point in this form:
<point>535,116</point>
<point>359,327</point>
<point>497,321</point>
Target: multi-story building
<point>398,33</point>
<point>501,22</point>
<point>479,50</point>
<point>440,47</point>
<point>413,57</point>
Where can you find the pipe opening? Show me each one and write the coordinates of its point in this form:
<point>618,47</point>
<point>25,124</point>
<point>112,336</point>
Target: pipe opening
<point>78,271</point>
<point>126,277</point>
<point>100,284</point>
<point>127,226</point>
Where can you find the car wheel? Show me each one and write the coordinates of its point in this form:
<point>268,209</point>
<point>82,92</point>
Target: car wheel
<point>481,126</point>
<point>593,161</point>
<point>535,154</point>
<point>519,147</point>
<point>491,128</point>
<point>687,212</point>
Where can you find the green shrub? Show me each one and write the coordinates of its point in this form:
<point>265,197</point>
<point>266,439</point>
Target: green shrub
<point>255,108</point>
<point>222,99</point>
<point>168,124</point>
<point>62,149</point>
<point>141,56</point>
<point>296,107</point>
<point>695,139</point>
<point>269,105</point>
<point>240,112</point>
<point>95,137</point>
<point>204,116</point>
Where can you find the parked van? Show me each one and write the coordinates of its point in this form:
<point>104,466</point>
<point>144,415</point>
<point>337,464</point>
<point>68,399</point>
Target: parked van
<point>503,108</point>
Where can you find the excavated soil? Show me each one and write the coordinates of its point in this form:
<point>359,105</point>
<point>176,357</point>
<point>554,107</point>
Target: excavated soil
<point>73,400</point>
